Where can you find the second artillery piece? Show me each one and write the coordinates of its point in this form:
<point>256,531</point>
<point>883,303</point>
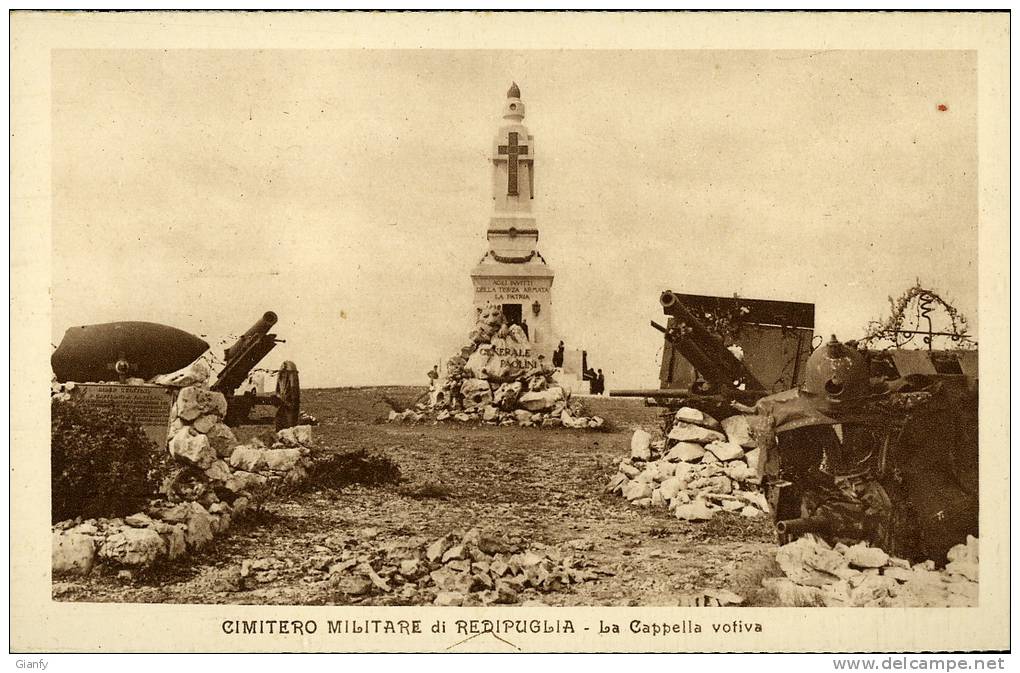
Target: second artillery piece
<point>879,446</point>
<point>241,358</point>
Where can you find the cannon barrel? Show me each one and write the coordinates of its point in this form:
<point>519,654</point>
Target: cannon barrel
<point>795,527</point>
<point>729,395</point>
<point>245,353</point>
<point>704,350</point>
<point>261,326</point>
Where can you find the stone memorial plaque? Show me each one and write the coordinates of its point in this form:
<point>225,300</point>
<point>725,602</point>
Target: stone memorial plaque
<point>149,405</point>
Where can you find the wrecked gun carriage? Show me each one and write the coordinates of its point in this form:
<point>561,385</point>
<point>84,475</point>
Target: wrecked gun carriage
<point>884,450</point>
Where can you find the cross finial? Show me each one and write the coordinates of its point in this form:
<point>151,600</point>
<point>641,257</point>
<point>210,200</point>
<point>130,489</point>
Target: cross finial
<point>514,91</point>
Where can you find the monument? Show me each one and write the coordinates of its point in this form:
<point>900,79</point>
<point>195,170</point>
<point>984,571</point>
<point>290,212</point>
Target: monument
<point>513,275</point>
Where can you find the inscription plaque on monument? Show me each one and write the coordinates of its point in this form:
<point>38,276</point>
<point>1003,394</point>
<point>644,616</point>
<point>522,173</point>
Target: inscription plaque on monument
<point>148,405</point>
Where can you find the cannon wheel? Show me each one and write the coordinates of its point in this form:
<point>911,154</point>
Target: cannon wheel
<point>288,390</point>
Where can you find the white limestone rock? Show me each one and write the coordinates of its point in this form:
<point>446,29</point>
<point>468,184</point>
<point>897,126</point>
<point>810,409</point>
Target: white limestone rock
<point>687,432</point>
<point>616,483</point>
<point>73,553</point>
<point>694,511</point>
<point>696,417</point>
<point>477,394</point>
<point>193,448</point>
<point>247,458</point>
<point>133,547</point>
<point>687,452</point>
<point>862,556</point>
<point>753,457</point>
<point>541,400</point>
<point>195,401</point>
<point>670,487</point>
<point>297,436</point>
<point>725,451</point>
<point>635,490</point>
<point>198,531</point>
<point>176,423</point>
<point>195,374</point>
<point>750,512</point>
<point>738,470</point>
<point>522,416</point>
<point>640,445</point>
<point>505,396</point>
<point>490,413</point>
<point>629,470</point>
<point>281,460</point>
<point>475,366</point>
<point>205,423</point>
<point>738,431</point>
<point>449,598</point>
<point>176,543</point>
<point>809,561</point>
<point>222,440</point>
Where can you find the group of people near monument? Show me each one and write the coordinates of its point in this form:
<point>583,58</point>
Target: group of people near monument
<point>597,381</point>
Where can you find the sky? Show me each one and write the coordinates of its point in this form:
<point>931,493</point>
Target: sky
<point>349,191</point>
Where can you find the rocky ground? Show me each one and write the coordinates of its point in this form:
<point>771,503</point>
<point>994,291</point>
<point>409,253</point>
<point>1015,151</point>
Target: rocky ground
<point>536,488</point>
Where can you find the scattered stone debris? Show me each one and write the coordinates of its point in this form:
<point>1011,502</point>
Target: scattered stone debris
<point>469,568</point>
<point>495,380</point>
<point>862,576</point>
<point>696,471</point>
<point>711,598</point>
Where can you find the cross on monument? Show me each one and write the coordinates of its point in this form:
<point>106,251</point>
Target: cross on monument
<point>512,151</point>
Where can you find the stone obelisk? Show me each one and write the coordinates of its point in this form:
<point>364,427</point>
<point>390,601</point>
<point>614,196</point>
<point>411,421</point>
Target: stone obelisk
<point>512,274</point>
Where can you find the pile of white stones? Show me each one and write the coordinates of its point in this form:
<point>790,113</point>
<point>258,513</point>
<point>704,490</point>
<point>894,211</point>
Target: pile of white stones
<point>700,468</point>
<point>219,479</point>
<point>862,576</point>
<point>495,380</point>
<point>457,569</point>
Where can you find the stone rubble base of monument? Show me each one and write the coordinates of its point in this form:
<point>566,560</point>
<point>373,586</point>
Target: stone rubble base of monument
<point>494,379</point>
<point>862,576</point>
<point>219,479</point>
<point>469,568</point>
<point>702,467</point>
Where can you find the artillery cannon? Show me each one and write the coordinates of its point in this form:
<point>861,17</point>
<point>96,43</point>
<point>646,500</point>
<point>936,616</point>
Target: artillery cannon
<point>854,445</point>
<point>241,358</point>
<point>143,350</point>
<point>775,337</point>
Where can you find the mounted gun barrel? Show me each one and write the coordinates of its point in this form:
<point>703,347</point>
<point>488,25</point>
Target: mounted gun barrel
<point>704,350</point>
<point>792,528</point>
<point>245,353</point>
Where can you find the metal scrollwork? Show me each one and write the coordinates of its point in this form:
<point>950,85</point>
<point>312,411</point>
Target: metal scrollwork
<point>903,325</point>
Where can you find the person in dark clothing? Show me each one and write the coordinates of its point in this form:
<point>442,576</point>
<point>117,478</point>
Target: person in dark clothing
<point>600,383</point>
<point>524,326</point>
<point>558,356</point>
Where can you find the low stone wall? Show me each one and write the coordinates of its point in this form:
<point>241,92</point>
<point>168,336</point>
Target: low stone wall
<point>702,467</point>
<point>219,479</point>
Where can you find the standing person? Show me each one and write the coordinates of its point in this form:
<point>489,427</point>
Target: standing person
<point>433,376</point>
<point>558,356</point>
<point>601,379</point>
<point>524,326</point>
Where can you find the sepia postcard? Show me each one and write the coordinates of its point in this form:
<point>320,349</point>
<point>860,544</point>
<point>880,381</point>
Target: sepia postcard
<point>509,332</point>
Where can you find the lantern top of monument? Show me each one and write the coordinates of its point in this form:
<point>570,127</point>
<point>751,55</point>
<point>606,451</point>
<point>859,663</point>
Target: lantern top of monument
<point>514,91</point>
